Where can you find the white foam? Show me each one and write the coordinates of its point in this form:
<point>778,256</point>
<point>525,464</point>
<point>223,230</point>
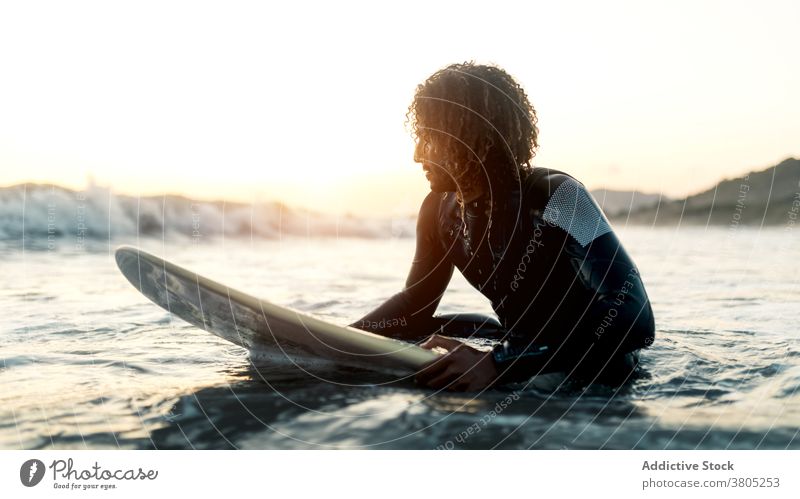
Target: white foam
<point>50,212</point>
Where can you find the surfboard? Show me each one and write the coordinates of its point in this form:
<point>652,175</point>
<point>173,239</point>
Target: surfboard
<point>259,325</point>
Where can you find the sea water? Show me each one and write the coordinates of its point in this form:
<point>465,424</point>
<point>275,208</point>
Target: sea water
<point>88,362</point>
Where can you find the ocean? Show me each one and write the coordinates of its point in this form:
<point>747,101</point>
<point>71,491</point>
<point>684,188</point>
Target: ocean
<point>89,363</point>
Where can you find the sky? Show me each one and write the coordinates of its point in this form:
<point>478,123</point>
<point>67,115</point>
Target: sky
<point>305,102</point>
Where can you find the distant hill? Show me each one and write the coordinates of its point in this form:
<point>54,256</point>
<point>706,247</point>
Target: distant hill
<point>763,197</point>
<point>620,203</point>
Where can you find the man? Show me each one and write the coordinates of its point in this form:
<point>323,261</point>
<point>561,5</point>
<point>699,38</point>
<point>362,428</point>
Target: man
<point>532,240</point>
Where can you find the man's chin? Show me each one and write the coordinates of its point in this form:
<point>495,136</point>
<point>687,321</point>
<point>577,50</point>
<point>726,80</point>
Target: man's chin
<point>439,186</point>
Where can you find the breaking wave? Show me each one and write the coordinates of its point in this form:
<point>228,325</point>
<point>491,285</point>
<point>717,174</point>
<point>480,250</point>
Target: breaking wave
<point>45,212</point>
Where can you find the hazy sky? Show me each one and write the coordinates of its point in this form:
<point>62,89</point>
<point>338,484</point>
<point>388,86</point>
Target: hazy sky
<point>306,102</point>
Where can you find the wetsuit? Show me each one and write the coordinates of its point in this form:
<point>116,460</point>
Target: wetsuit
<point>568,296</point>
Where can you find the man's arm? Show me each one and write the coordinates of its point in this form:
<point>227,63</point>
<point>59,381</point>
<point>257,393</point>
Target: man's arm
<point>613,317</point>
<point>573,253</point>
<point>617,320</point>
<point>407,314</point>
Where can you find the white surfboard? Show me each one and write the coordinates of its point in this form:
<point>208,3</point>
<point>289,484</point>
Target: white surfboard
<point>258,325</point>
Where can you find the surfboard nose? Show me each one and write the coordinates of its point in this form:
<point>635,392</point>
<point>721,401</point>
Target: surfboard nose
<point>127,258</point>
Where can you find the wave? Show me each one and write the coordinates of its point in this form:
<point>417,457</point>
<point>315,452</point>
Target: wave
<point>48,213</point>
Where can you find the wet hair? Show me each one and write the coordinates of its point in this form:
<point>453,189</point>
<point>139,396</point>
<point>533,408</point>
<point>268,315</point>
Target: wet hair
<point>481,118</point>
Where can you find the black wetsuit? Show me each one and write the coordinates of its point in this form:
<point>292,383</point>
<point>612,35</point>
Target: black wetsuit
<point>568,296</point>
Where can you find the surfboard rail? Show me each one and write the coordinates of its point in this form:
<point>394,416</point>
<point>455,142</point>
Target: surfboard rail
<point>256,323</point>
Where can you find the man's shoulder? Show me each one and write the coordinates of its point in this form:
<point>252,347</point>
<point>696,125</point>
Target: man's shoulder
<point>563,201</point>
<point>429,210</point>
<point>542,183</point>
<point>431,203</point>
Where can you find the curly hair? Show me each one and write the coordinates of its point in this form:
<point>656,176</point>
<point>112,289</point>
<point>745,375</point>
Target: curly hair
<point>481,118</point>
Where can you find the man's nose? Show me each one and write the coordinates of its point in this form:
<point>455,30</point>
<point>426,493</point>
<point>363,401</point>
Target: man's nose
<point>418,152</point>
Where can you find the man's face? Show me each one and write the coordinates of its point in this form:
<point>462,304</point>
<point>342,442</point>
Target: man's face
<point>432,162</point>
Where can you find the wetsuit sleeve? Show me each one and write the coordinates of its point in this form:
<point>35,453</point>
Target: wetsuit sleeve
<point>587,297</point>
<point>618,319</point>
<point>407,314</point>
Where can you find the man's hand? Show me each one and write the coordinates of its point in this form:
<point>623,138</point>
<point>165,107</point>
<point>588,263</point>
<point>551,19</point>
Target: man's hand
<point>462,368</point>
